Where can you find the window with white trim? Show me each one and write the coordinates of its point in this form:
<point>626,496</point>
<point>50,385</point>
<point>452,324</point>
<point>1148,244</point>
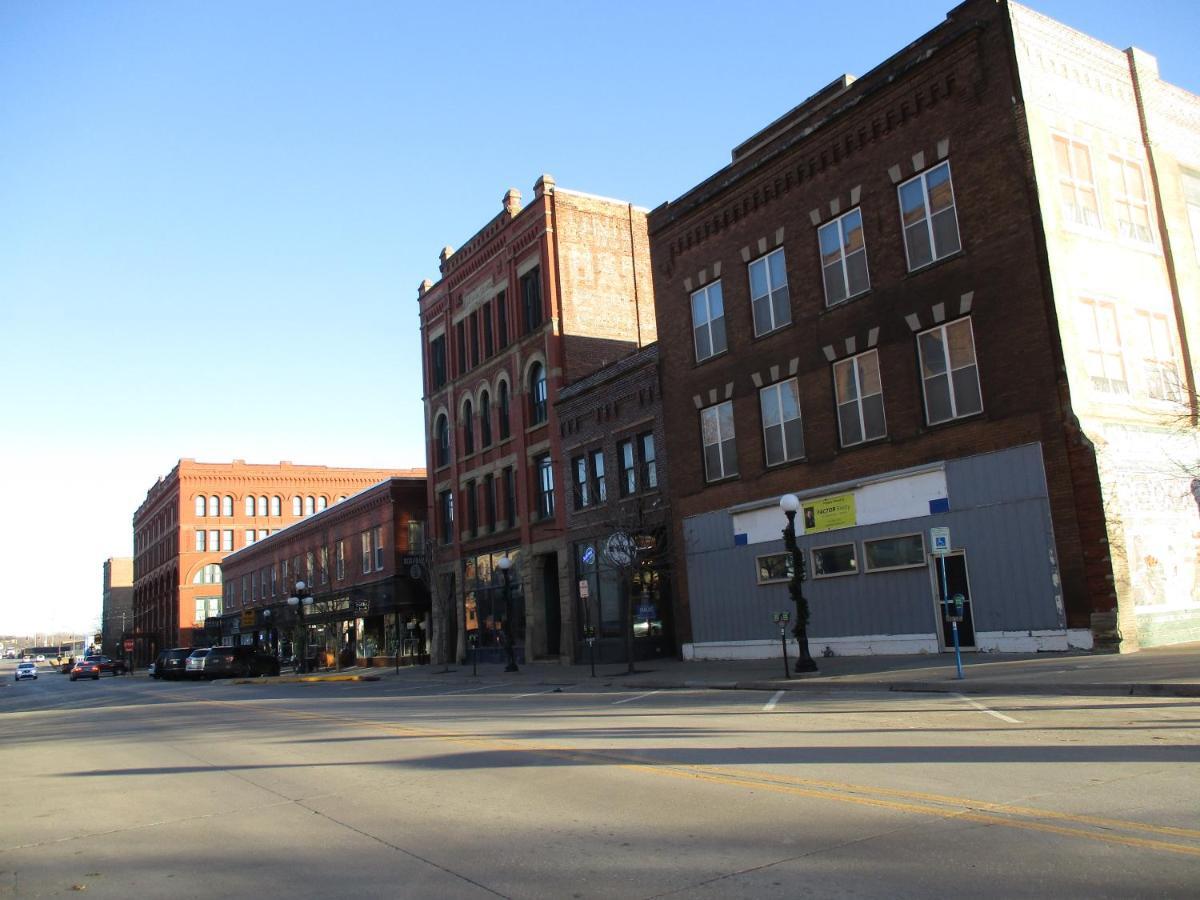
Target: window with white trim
<point>340,560</point>
<point>859,395</point>
<point>1158,357</point>
<point>227,506</point>
<point>583,492</point>
<point>708,321</point>
<point>248,507</point>
<point>1191,199</point>
<point>1076,182</point>
<point>200,501</point>
<point>296,506</point>
<point>928,215</point>
<point>227,540</point>
<point>201,539</point>
<point>276,505</point>
<point>843,257</point>
<point>718,439</point>
<point>783,430</point>
<point>214,506</point>
<point>545,486</point>
<point>949,372</point>
<point>769,293</point>
<point>310,504</point>
<point>1129,200</point>
<point>365,540</point>
<point>377,539</point>
<point>262,506</point>
<point>1102,346</point>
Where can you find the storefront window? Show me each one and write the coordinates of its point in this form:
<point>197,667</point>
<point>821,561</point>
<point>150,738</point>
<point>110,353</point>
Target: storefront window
<point>483,589</point>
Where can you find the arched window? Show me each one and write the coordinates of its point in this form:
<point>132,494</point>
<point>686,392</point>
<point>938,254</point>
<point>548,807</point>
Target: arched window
<point>214,505</point>
<point>442,430</point>
<point>210,574</point>
<point>276,505</point>
<point>250,506</point>
<point>468,427</point>
<point>296,505</point>
<point>321,503</point>
<point>227,505</point>
<point>537,394</point>
<point>341,498</point>
<point>504,426</point>
<point>485,419</point>
<point>262,506</point>
<point>199,507</point>
<point>309,505</point>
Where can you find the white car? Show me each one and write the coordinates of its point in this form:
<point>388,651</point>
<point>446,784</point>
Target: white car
<point>26,670</point>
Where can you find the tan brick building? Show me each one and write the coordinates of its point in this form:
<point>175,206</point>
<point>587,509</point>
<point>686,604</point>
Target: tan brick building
<point>116,616</point>
<point>544,294</point>
<point>958,292</point>
<point>200,512</point>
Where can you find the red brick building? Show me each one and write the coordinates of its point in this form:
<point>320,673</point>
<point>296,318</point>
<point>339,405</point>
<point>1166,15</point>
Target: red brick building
<point>361,562</point>
<point>544,294</point>
<point>199,513</point>
<point>868,307</point>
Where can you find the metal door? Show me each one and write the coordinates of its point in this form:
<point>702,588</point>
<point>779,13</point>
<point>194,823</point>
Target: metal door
<point>957,582</point>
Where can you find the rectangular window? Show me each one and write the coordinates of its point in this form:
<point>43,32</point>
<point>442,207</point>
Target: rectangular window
<point>276,503</point>
<point>446,509</point>
<point>214,541</point>
<point>649,460</point>
<point>472,508</point>
<point>708,321</point>
<point>1076,183</point>
<point>599,490</point>
<point>460,333</point>
<point>628,468</point>
<point>437,360</point>
<point>201,540</point>
<point>274,581</point>
<point>416,537</point>
<point>716,431</point>
<point>339,560</point>
<point>838,559</point>
<point>907,551</point>
<point>783,430</point>
<point>245,589</point>
<point>531,299</point>
<point>928,216</point>
<point>949,372</point>
<point>250,535</point>
<point>474,339</point>
<point>489,343</point>
<point>227,539</point>
<point>1129,200</point>
<point>1102,346</point>
<point>489,501</point>
<point>843,257</point>
<point>377,538</point>
<point>774,568</point>
<point>510,497</point>
<point>769,293</point>
<point>324,565</point>
<point>284,571</point>
<point>263,581</point>
<point>364,540</point>
<point>583,493</point>
<point>545,486</point>
<point>501,320</point>
<point>859,398</point>
<point>1158,358</point>
<point>309,567</point>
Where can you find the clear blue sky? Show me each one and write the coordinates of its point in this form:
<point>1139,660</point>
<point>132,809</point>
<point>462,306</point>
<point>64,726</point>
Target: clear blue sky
<point>214,215</point>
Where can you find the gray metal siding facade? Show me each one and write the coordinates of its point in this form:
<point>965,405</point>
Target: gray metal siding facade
<point>999,514</point>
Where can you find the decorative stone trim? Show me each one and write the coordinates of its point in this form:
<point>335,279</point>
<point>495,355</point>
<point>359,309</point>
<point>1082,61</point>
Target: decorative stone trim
<point>873,336</point>
<point>964,303</point>
<point>835,205</point>
<point>698,401</point>
<point>757,379</point>
<point>918,161</point>
<point>793,366</point>
<point>894,174</point>
<point>939,313</point>
<point>729,390</point>
<point>914,322</point>
<point>830,353</point>
<point>851,345</point>
<point>943,148</point>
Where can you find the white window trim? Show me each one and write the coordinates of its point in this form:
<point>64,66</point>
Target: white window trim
<point>768,296</point>
<point>777,388</point>
<point>955,415</point>
<point>1122,196</point>
<point>842,251</point>
<point>852,361</point>
<point>708,320</point>
<point>1075,183</point>
<point>715,410</point>
<point>929,216</point>
<point>866,560</point>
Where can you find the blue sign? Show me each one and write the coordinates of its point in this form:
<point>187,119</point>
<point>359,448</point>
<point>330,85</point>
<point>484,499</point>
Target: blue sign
<point>646,612</point>
<point>589,554</point>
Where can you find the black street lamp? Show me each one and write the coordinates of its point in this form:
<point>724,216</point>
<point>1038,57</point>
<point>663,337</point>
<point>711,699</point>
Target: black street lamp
<point>300,601</point>
<point>790,504</point>
<point>505,565</point>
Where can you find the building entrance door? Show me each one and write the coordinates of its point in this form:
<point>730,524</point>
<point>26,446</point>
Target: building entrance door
<point>957,582</point>
<point>552,601</point>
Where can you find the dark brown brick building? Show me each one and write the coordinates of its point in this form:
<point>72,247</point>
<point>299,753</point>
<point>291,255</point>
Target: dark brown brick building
<point>861,309</point>
<point>543,295</point>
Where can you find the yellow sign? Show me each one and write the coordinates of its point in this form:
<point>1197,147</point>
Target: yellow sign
<point>828,513</point>
<point>247,618</point>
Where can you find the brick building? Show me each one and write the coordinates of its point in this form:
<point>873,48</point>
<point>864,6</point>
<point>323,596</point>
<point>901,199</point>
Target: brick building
<point>356,561</point>
<point>613,449</point>
<point>200,512</point>
<point>543,295</point>
<point>882,306</point>
<point>116,610</point>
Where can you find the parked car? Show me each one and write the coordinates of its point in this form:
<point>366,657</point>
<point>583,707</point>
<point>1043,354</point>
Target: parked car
<point>88,667</point>
<point>171,664</point>
<point>238,662</point>
<point>107,664</point>
<point>194,666</point>
<point>26,670</point>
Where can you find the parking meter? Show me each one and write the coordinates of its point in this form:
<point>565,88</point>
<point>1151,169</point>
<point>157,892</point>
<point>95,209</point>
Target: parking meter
<point>954,608</point>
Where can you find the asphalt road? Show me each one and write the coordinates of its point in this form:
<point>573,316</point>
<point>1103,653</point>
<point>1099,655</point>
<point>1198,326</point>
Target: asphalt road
<point>411,787</point>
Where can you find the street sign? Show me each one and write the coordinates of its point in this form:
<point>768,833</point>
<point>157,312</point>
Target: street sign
<point>939,541</point>
<point>583,588</point>
<point>620,549</point>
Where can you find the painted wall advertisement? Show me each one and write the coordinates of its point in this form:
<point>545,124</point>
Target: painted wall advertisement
<point>828,513</point>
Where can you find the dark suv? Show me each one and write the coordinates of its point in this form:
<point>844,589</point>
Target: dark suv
<point>243,662</point>
<point>170,663</point>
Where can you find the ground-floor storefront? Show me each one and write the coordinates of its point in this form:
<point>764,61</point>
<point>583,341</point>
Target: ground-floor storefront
<point>874,582</point>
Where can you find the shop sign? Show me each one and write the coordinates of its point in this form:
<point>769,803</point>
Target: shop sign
<point>646,612</point>
<point>619,549</point>
<point>362,604</point>
<point>247,618</point>
<point>829,513</point>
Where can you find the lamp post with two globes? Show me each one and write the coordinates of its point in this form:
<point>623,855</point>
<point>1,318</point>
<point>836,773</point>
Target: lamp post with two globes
<point>300,601</point>
<point>790,504</point>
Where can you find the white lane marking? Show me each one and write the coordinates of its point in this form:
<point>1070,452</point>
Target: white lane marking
<point>770,704</point>
<point>990,712</point>
<point>482,687</point>
<point>536,693</point>
<point>636,697</point>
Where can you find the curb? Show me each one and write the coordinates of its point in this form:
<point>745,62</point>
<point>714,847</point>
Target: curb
<point>307,679</point>
<point>936,687</point>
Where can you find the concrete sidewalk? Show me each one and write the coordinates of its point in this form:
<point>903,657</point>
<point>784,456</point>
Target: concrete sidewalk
<point>1163,671</point>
